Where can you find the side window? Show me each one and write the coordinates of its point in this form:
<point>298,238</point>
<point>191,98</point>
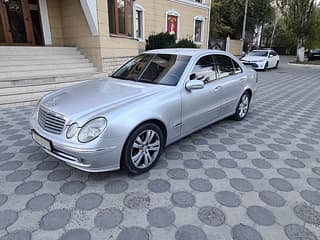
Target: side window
<point>205,69</point>
<point>224,66</point>
<point>237,68</point>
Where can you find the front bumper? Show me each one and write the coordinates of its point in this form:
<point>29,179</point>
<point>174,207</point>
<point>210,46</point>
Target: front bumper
<point>90,157</point>
<point>255,65</point>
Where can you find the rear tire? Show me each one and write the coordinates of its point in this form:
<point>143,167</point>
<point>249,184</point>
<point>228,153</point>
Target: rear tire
<point>142,149</point>
<point>243,107</point>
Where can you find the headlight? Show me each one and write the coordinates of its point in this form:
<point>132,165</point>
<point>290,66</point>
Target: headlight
<point>72,130</point>
<point>92,129</point>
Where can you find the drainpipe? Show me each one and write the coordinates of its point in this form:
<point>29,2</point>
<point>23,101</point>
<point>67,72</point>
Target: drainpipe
<point>209,23</point>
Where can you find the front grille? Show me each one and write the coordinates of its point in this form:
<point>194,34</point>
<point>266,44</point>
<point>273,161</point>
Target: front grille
<point>50,121</point>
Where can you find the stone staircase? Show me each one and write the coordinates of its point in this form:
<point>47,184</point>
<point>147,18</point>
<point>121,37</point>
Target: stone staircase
<point>27,73</point>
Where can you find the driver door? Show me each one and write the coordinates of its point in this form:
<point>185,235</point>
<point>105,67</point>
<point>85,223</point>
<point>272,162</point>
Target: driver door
<point>201,106</point>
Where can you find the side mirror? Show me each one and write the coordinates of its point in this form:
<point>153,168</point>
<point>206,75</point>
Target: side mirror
<point>270,56</point>
<point>193,76</point>
<point>194,84</point>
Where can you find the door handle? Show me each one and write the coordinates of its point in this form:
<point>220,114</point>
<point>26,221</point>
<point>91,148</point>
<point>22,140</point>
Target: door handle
<point>242,79</point>
<point>218,88</point>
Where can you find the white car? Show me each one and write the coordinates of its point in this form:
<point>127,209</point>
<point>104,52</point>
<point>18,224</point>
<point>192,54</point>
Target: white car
<point>262,59</point>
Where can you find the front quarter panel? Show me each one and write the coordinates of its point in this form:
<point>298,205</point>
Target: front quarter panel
<point>164,107</point>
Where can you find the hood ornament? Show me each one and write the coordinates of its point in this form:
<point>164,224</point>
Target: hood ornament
<point>51,103</point>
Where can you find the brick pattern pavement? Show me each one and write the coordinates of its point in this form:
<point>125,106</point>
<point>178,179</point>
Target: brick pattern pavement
<point>251,180</point>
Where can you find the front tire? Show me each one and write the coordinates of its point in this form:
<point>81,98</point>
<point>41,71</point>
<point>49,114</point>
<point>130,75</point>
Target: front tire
<point>266,66</point>
<point>277,65</point>
<point>243,107</point>
<point>142,149</point>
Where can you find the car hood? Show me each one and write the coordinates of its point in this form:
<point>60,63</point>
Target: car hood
<point>97,97</point>
<point>253,58</point>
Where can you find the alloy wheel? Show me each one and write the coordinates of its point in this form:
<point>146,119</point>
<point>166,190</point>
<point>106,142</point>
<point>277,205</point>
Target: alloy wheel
<point>145,149</point>
<point>243,106</point>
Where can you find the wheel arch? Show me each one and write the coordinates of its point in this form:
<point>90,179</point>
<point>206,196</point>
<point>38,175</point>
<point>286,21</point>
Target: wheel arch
<point>248,90</point>
<point>157,122</point>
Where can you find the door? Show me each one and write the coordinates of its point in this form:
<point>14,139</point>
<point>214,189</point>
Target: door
<point>20,23</point>
<point>231,78</point>
<point>201,106</point>
<point>272,59</point>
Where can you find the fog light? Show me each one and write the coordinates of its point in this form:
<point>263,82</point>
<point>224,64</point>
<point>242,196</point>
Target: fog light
<point>72,130</point>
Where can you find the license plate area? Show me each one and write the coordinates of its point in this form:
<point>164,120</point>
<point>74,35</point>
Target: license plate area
<point>41,141</point>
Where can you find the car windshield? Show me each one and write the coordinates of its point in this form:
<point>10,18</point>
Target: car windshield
<point>258,53</point>
<point>165,69</point>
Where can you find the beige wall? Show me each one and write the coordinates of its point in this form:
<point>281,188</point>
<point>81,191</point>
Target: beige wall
<point>155,17</point>
<point>69,27</point>
<point>155,22</point>
<point>54,14</point>
<point>235,47</point>
<point>76,31</point>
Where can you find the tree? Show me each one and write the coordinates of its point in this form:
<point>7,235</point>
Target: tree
<point>299,19</point>
<point>227,17</point>
<point>284,41</point>
<point>313,40</point>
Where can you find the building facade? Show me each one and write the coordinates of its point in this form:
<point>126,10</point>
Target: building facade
<point>107,31</point>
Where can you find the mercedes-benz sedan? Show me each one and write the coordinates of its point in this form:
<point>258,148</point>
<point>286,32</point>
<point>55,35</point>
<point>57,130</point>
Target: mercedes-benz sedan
<point>125,120</point>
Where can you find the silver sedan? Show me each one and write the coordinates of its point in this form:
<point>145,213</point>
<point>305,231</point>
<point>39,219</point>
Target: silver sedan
<point>157,98</point>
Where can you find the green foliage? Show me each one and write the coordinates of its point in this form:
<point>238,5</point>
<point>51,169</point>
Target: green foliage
<point>313,39</point>
<point>166,40</point>
<point>299,17</point>
<point>185,43</point>
<point>161,40</point>
<point>227,16</point>
<point>284,41</point>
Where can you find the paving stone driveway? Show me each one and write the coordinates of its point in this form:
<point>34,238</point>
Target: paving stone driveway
<point>251,180</point>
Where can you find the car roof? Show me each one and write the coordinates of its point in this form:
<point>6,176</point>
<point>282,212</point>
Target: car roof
<point>185,51</point>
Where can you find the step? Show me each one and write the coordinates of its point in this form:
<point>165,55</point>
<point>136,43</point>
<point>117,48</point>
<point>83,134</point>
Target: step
<point>27,97</point>
<point>12,105</point>
<point>44,73</point>
<point>33,67</point>
<point>35,89</point>
<point>38,53</point>
<point>28,51</point>
<point>40,57</point>
<point>50,80</point>
<point>43,62</point>
<point>34,48</point>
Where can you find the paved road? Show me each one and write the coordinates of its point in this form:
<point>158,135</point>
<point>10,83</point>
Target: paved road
<point>251,180</point>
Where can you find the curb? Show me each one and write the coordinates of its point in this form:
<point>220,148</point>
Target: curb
<point>305,65</point>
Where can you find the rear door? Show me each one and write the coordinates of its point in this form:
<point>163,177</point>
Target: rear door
<point>232,79</point>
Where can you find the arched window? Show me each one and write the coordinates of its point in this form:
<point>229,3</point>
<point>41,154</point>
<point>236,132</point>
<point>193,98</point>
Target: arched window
<point>198,29</point>
<point>173,23</point>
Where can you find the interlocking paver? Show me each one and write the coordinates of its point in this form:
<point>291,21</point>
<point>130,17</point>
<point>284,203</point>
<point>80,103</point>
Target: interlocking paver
<point>255,179</point>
